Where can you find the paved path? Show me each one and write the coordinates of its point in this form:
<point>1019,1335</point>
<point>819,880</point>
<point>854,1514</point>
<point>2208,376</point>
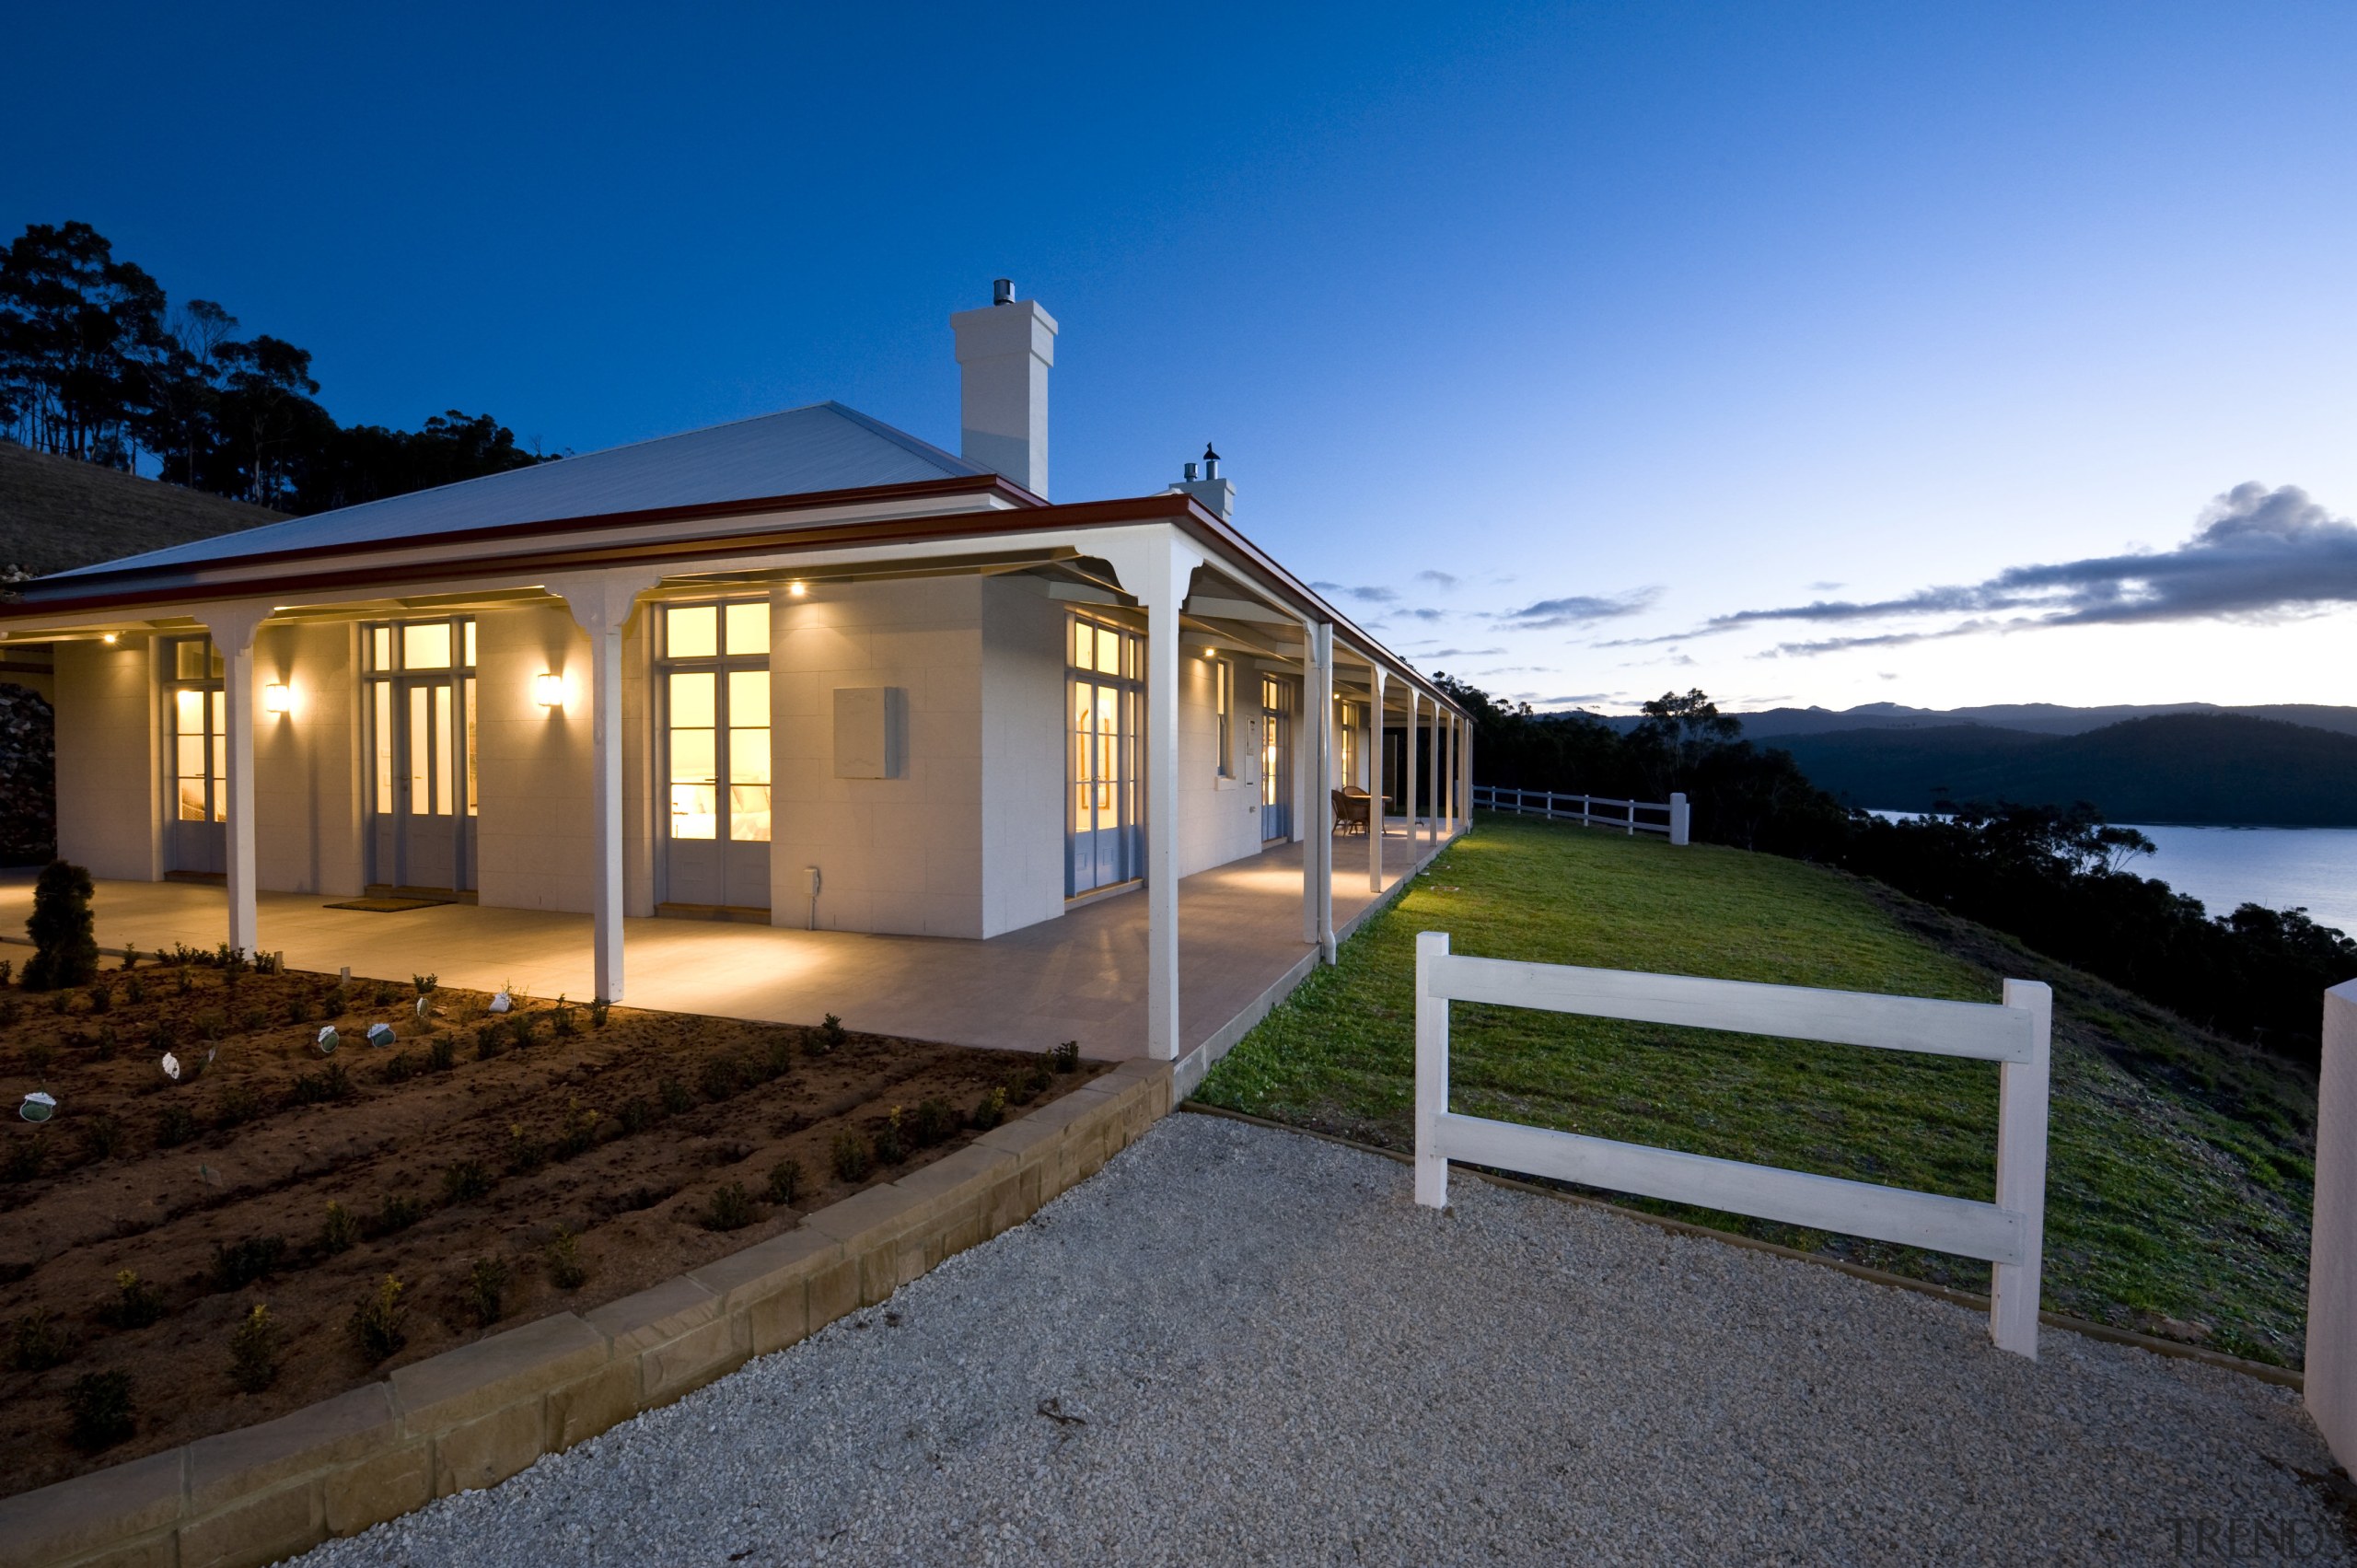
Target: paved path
<point>1235,1345</point>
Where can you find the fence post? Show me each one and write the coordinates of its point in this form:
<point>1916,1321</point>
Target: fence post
<point>1432,1072</point>
<point>1681,819</point>
<point>2331,1392</point>
<point>2021,1171</point>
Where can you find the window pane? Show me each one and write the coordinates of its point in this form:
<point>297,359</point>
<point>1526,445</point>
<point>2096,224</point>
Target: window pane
<point>694,758</point>
<point>691,699</point>
<point>384,746</point>
<point>692,631</point>
<point>470,723</point>
<point>748,812</point>
<point>426,646</point>
<point>187,761</point>
<point>380,647</point>
<point>420,751</point>
<point>1084,650</point>
<point>442,738</point>
<point>470,627</point>
<point>691,812</point>
<point>749,756</point>
<point>749,698</point>
<point>1109,651</point>
<point>188,713</point>
<point>749,627</point>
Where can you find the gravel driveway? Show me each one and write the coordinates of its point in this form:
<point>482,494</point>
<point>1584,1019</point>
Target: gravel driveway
<point>1236,1346</point>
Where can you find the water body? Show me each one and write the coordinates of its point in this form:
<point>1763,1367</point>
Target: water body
<point>2310,868</point>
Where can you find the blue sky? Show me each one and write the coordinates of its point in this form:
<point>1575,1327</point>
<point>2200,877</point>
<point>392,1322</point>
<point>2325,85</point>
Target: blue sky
<point>1551,336</point>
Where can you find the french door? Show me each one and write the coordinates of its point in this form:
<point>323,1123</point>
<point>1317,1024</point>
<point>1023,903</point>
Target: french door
<point>196,836</point>
<point>714,680</point>
<point>1104,837</point>
<point>420,680</point>
<point>1276,758</point>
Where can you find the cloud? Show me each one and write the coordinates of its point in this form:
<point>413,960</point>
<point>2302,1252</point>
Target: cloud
<point>1370,594</point>
<point>1442,580</point>
<point>2257,556</point>
<point>1578,609</point>
<point>1823,588</point>
<point>1459,652</point>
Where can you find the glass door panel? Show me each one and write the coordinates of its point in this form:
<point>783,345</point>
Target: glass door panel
<point>714,686</point>
<point>1103,840</point>
<point>197,754</point>
<point>422,796</point>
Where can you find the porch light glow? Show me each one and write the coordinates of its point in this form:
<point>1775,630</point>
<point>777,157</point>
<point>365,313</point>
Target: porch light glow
<point>548,690</point>
<point>108,637</point>
<point>797,589</point>
<point>277,699</point>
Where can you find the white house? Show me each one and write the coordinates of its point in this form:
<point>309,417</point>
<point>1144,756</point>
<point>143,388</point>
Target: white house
<point>803,669</point>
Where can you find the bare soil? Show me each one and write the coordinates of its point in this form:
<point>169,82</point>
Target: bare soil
<point>499,1137</point>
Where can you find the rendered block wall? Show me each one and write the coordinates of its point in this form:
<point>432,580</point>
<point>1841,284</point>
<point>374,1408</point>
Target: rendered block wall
<point>1023,754</point>
<point>306,762</point>
<point>109,775</point>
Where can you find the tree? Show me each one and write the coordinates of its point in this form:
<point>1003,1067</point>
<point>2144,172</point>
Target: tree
<point>1677,734</point>
<point>80,334</point>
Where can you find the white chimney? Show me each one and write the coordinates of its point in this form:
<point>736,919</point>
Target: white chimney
<point>1212,492</point>
<point>1003,354</point>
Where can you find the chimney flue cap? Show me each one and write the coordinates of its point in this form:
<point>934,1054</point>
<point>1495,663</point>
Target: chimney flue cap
<point>1190,474</point>
<point>1211,461</point>
<point>1001,291</point>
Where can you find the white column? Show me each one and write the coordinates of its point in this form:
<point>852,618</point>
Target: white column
<point>1374,778</point>
<point>1156,565</point>
<point>1408,769</point>
<point>232,627</point>
<point>601,604</point>
<point>1431,774</point>
<point>2021,1106</point>
<point>1469,776</point>
<point>1317,852</point>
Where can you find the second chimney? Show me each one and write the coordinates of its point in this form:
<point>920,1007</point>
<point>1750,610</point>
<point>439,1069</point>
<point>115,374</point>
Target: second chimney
<point>1004,351</point>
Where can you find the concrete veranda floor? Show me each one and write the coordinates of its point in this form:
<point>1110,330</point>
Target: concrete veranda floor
<point>1080,977</point>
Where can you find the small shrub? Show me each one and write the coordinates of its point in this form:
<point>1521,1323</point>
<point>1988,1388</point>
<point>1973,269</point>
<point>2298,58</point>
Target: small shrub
<point>854,1156</point>
<point>253,1350</point>
<point>135,989</point>
<point>935,1122</point>
<point>318,1088</point>
<point>597,1011</point>
<point>376,1324</point>
<point>254,1020</point>
<point>36,1344</point>
<point>1065,1058</point>
<point>62,1002</point>
<point>566,1270</point>
<point>101,1136</point>
<point>637,1114</point>
<point>212,1023</point>
<point>722,1078</point>
<point>427,984</point>
<point>64,951</point>
<point>464,1182</point>
<point>486,1292</point>
<point>186,980</point>
<point>135,1304</point>
<point>234,1105</point>
<point>524,1152</point>
<point>8,967</point>
<point>27,1154</point>
<point>338,1231</point>
<point>232,962</point>
<point>174,1125</point>
<point>10,1011</point>
<point>399,1068</point>
<point>108,1043</point>
<point>160,1036</point>
<point>102,998</point>
<point>891,1142</point>
<point>442,1055</point>
<point>831,1030</point>
<point>384,995</point>
<point>98,1406</point>
<point>38,1057</point>
<point>298,1010</point>
<point>396,1214</point>
<point>785,1182</point>
<point>242,1262</point>
<point>561,1022</point>
<point>580,1134</point>
<point>728,1208</point>
<point>335,1003</point>
<point>519,1028</point>
<point>777,1060</point>
<point>989,1110</point>
<point>491,1040</point>
<point>675,1096</point>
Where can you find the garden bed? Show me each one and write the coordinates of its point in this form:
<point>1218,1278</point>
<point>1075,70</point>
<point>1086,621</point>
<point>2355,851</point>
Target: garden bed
<point>498,1166</point>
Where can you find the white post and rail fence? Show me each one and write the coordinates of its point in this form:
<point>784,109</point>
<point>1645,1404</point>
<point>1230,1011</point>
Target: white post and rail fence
<point>2330,1375</point>
<point>2008,1233</point>
<point>1673,819</point>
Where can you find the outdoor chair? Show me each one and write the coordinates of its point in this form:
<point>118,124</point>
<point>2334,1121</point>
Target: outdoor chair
<point>1352,812</point>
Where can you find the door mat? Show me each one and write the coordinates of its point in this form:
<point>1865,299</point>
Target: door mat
<point>390,906</point>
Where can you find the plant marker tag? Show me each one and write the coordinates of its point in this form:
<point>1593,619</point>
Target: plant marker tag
<point>171,1067</point>
<point>328,1040</point>
<point>420,1007</point>
<point>39,1106</point>
<point>209,1176</point>
<point>500,1003</point>
<point>380,1034</point>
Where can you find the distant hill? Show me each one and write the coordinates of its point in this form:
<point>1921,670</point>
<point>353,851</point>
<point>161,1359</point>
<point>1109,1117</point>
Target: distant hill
<point>2037,718</point>
<point>57,513</point>
<point>2201,768</point>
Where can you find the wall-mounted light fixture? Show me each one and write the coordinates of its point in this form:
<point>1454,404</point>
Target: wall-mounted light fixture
<point>548,691</point>
<point>108,636</point>
<point>278,699</point>
<point>797,589</point>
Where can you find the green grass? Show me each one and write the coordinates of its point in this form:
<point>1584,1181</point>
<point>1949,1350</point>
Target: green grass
<point>2180,1164</point>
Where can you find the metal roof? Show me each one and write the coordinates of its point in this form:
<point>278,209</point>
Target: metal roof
<point>822,447</point>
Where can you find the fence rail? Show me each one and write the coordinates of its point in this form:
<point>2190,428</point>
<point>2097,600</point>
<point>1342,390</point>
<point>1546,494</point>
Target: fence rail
<point>2016,1034</point>
<point>1675,823</point>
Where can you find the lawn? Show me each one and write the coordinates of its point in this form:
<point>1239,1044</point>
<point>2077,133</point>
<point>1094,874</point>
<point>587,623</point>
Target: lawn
<point>2180,1166</point>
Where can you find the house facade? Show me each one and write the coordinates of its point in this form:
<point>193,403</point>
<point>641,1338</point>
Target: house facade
<point>803,669</point>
